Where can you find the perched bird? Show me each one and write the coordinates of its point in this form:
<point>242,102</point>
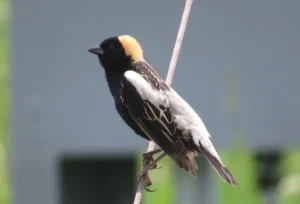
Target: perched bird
<point>153,109</point>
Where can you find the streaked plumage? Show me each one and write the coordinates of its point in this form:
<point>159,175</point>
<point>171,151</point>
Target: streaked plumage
<point>153,109</point>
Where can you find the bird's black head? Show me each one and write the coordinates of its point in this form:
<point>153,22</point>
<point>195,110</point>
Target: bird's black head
<point>117,53</point>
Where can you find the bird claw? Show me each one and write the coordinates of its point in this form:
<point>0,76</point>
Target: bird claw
<point>144,177</point>
<point>148,190</point>
<point>148,164</point>
<point>148,158</point>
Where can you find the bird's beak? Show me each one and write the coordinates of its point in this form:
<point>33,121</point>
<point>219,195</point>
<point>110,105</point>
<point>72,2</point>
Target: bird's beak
<point>97,50</point>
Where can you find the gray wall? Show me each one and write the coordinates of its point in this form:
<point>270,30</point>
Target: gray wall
<point>61,102</point>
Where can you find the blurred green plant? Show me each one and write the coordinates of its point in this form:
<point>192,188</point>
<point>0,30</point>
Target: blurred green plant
<point>242,166</point>
<point>289,187</point>
<point>238,158</point>
<point>4,102</point>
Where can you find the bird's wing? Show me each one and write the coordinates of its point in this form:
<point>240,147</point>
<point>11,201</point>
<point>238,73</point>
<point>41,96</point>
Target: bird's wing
<point>144,96</point>
<point>148,106</point>
<point>188,121</point>
<point>125,115</point>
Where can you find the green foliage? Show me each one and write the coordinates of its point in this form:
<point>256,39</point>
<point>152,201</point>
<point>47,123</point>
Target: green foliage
<point>242,165</point>
<point>4,102</point>
<point>289,188</point>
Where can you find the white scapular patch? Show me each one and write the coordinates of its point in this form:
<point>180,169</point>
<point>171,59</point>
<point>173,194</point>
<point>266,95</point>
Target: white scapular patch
<point>145,89</point>
<point>188,120</point>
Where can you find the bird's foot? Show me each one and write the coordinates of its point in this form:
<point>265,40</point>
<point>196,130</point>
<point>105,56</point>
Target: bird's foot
<point>148,164</point>
<point>143,176</point>
<point>148,158</point>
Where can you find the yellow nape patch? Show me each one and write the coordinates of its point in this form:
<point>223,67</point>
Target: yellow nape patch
<point>132,47</point>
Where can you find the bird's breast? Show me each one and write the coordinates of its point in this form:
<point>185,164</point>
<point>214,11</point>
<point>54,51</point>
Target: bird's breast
<point>114,83</point>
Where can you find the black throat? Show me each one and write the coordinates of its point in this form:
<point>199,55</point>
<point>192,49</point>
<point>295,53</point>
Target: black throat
<point>113,80</point>
<point>115,65</point>
<point>114,70</point>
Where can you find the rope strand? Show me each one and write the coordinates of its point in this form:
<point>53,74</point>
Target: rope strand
<point>170,75</point>
<point>180,35</point>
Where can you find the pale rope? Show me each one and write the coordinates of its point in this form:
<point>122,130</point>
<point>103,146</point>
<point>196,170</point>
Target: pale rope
<point>170,75</point>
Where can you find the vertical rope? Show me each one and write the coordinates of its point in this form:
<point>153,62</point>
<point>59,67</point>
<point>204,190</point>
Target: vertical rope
<point>170,75</point>
<point>180,35</point>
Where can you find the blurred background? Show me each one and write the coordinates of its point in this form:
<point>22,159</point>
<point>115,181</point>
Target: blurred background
<point>61,140</point>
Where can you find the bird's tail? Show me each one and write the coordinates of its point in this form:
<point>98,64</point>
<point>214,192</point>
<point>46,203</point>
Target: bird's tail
<point>188,162</point>
<point>218,166</point>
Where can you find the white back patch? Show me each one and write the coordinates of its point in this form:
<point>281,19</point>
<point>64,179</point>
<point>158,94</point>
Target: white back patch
<point>145,89</point>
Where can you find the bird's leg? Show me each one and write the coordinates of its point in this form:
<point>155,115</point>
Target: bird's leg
<point>143,175</point>
<point>148,157</point>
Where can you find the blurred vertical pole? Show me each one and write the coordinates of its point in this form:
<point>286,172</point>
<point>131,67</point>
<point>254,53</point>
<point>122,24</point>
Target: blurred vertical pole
<point>268,175</point>
<point>202,190</point>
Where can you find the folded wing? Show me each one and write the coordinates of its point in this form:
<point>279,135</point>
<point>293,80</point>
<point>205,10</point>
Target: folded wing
<point>188,121</point>
<point>149,108</point>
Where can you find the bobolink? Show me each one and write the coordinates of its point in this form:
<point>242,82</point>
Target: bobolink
<point>153,109</point>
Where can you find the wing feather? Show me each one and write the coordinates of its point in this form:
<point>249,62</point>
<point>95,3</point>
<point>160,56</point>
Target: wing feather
<point>150,109</point>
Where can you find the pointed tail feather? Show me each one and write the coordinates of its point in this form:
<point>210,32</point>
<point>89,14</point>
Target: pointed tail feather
<point>188,163</point>
<point>191,163</point>
<point>219,167</point>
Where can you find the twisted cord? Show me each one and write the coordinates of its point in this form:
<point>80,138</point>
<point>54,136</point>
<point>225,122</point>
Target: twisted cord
<point>180,35</point>
<point>170,75</point>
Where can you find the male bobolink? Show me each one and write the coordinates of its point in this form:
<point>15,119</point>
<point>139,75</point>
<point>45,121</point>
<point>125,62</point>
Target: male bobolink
<point>153,109</point>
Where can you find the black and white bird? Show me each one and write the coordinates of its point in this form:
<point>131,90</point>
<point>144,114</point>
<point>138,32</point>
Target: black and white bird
<point>153,109</point>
